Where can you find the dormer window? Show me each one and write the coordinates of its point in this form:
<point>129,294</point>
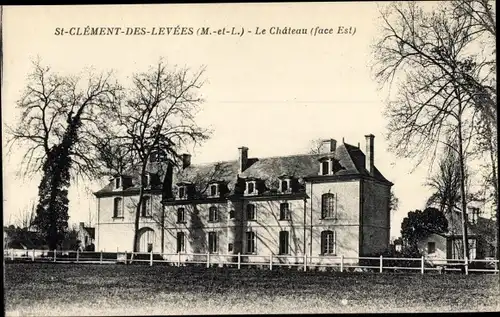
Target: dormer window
<point>325,167</point>
<point>329,165</point>
<point>284,185</point>
<point>146,180</point>
<point>118,182</point>
<point>184,190</point>
<point>213,190</point>
<point>251,187</point>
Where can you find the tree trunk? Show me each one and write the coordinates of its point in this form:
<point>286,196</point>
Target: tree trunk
<point>493,158</point>
<point>138,214</point>
<point>462,191</point>
<point>162,228</point>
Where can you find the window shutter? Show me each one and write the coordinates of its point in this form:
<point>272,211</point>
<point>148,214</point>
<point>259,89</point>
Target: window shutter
<point>323,249</point>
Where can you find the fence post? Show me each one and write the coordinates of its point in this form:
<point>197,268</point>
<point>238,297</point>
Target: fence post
<point>151,258</point>
<point>33,255</point>
<point>422,268</point>
<point>239,260</point>
<point>496,266</point>
<point>208,260</point>
<point>55,255</point>
<point>466,266</point>
<point>77,255</point>
<point>271,262</point>
<point>178,259</point>
<point>342,263</point>
<point>126,257</point>
<point>12,254</point>
<point>381,264</point>
<point>100,258</point>
<point>305,262</point>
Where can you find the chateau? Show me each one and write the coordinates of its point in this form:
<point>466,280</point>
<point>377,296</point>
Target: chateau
<point>335,202</point>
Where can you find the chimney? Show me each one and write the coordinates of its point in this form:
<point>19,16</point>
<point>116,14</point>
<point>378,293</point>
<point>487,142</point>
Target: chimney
<point>167,182</point>
<point>186,160</point>
<point>243,159</point>
<point>369,160</point>
<point>328,146</point>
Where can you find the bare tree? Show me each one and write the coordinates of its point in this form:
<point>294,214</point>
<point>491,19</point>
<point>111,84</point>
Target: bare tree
<point>61,119</point>
<point>316,146</point>
<point>429,53</point>
<point>393,202</point>
<point>52,105</point>
<point>446,184</point>
<point>480,19</point>
<point>27,216</point>
<point>158,118</point>
<point>200,177</point>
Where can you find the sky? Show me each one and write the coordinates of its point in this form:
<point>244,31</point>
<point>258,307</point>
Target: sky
<point>270,93</point>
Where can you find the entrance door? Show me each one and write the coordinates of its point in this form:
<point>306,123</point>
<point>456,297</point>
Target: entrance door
<point>146,240</point>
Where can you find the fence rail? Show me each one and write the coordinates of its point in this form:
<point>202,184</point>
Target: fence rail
<point>303,262</point>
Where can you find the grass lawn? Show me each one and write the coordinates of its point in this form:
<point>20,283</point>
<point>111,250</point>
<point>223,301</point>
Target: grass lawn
<point>48,289</point>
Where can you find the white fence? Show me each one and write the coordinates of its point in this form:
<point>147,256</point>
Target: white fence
<point>337,263</point>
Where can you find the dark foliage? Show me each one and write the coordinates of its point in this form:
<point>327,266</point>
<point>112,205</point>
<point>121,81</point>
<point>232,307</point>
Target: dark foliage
<point>420,224</point>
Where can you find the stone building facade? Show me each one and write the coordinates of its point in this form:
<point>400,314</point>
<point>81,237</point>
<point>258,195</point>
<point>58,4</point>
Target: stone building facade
<point>331,203</point>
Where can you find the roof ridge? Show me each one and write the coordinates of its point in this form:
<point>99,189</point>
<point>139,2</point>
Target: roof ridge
<point>258,158</point>
<point>213,162</point>
<point>354,146</point>
<point>289,155</point>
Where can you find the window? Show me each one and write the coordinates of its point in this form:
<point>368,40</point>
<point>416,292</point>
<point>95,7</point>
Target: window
<point>284,211</point>
<point>213,190</point>
<point>231,214</point>
<point>250,187</point>
<point>213,214</point>
<point>472,248</point>
<point>250,242</point>
<point>212,242</point>
<point>181,215</point>
<point>117,208</point>
<point>284,235</point>
<point>324,167</point>
<point>146,207</point>
<point>456,250</point>
<point>328,206</point>
<point>284,185</point>
<point>180,242</point>
<point>250,212</point>
<point>230,247</point>
<point>117,182</point>
<point>182,192</point>
<point>431,247</point>
<point>327,242</point>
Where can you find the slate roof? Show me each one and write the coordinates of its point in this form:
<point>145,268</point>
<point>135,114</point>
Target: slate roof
<point>350,158</point>
<point>358,158</point>
<point>157,171</point>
